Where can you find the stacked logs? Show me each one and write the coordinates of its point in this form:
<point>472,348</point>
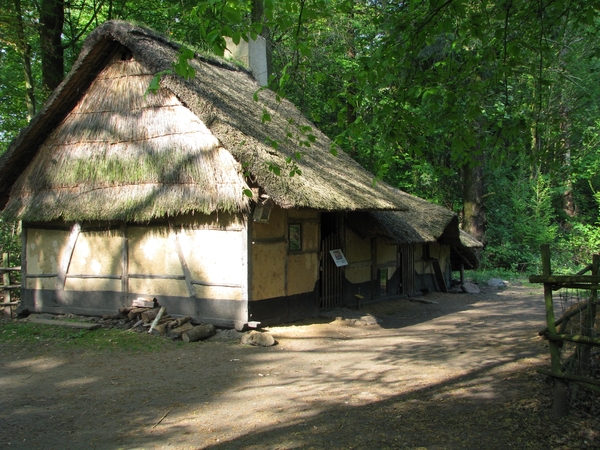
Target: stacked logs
<point>153,319</point>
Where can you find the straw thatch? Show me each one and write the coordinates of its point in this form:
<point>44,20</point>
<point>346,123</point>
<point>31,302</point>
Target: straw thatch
<point>422,223</point>
<point>468,253</point>
<point>101,150</point>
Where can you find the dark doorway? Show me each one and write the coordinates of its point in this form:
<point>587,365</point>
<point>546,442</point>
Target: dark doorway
<point>331,276</point>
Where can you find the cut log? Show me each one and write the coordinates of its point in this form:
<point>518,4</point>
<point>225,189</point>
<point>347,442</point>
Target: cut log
<point>198,333</point>
<point>137,324</point>
<point>177,322</point>
<point>134,312</point>
<point>112,316</point>
<point>176,333</point>
<point>158,330</point>
<point>150,315</point>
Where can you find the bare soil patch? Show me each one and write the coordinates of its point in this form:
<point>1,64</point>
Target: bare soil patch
<point>455,372</point>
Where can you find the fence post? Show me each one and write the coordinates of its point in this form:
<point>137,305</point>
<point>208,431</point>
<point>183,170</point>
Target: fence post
<point>559,405</point>
<point>594,296</point>
<point>6,282</point>
<point>584,351</point>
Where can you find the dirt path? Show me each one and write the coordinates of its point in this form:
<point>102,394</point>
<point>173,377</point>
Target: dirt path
<point>455,374</point>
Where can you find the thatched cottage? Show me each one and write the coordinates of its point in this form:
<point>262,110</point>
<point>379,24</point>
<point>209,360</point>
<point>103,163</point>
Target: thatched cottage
<point>125,195</point>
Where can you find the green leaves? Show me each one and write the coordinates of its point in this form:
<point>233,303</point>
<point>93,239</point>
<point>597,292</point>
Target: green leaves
<point>182,66</point>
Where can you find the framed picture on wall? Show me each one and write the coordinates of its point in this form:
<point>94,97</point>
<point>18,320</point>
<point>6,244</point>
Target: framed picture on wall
<point>338,257</point>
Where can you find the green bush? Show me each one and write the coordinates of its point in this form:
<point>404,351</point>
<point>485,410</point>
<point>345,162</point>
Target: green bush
<point>10,241</point>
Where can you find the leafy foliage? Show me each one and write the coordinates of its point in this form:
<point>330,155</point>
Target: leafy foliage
<point>418,92</point>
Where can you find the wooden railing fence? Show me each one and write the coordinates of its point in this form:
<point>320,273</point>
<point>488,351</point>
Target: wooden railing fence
<point>8,285</point>
<point>572,336</point>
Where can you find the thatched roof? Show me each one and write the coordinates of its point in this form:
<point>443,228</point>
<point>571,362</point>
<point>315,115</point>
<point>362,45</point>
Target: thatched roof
<point>422,223</point>
<point>101,150</point>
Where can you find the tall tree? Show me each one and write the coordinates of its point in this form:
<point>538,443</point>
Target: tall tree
<point>52,18</point>
<point>14,34</point>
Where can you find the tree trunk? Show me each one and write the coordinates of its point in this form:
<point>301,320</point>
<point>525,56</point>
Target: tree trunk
<point>351,90</point>
<point>25,51</point>
<point>52,17</point>
<point>473,209</point>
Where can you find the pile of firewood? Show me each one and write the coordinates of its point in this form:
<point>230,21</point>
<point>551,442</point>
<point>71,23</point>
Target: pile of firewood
<point>148,316</point>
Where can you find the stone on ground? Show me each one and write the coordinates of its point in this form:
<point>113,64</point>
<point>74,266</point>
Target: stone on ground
<point>498,283</point>
<point>259,339</point>
<point>470,288</point>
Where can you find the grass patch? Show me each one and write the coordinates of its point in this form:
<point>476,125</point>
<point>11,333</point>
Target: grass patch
<point>33,334</point>
<point>482,276</point>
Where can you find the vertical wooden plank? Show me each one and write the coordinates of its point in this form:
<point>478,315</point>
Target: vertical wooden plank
<point>59,289</point>
<point>6,282</point>
<point>286,237</point>
<point>124,263</point>
<point>408,269</point>
<point>374,278</point>
<point>397,290</point>
<point>183,262</point>
<point>23,257</point>
<point>246,279</point>
<point>249,268</point>
<point>439,276</point>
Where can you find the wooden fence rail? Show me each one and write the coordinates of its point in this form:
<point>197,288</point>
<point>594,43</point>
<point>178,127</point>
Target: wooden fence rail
<point>8,285</point>
<point>557,337</point>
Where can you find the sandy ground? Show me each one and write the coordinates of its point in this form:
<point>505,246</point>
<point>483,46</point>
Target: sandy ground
<point>457,373</point>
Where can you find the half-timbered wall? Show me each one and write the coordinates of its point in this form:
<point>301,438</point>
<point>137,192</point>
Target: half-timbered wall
<point>425,254</point>
<point>278,271</point>
<point>195,265</point>
<point>372,269</point>
<point>359,257</point>
<point>284,269</point>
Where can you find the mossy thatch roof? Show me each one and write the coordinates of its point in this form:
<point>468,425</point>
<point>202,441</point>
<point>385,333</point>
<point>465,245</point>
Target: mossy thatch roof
<point>102,150</point>
<point>422,223</point>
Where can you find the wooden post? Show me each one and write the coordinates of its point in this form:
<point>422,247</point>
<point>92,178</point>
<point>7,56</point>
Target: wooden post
<point>594,296</point>
<point>63,269</point>
<point>374,272</point>
<point>183,262</point>
<point>124,262</point>
<point>559,404</point>
<point>6,282</point>
<point>584,351</point>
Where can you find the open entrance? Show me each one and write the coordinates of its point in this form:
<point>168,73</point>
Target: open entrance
<point>331,275</point>
<point>407,268</point>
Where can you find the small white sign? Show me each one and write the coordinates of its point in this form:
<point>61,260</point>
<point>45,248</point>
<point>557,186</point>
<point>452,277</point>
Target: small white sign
<point>338,257</point>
